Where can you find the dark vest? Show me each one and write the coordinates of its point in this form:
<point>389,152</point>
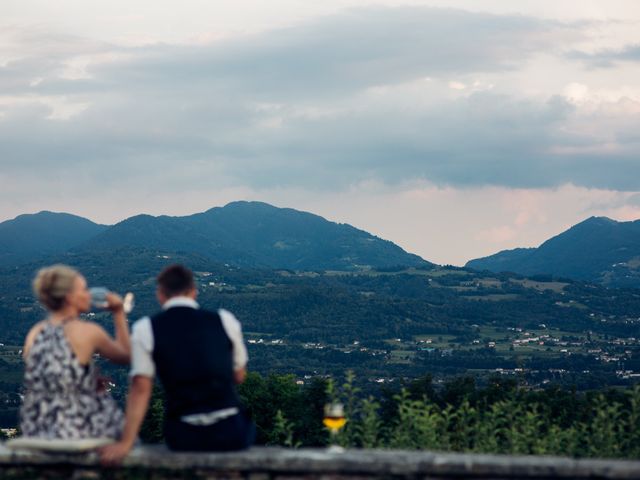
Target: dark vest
<point>193,357</point>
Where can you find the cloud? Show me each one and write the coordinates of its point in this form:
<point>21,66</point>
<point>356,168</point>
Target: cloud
<point>332,55</point>
<point>608,58</point>
<point>369,93</point>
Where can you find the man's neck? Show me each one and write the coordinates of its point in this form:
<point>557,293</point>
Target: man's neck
<point>180,301</point>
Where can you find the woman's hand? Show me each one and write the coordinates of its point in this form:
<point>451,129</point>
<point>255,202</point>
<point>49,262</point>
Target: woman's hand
<point>113,454</point>
<point>114,302</point>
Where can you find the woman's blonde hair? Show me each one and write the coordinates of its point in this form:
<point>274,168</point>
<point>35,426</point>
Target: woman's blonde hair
<point>52,284</point>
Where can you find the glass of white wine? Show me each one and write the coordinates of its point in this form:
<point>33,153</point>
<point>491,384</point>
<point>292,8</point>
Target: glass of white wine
<point>334,420</point>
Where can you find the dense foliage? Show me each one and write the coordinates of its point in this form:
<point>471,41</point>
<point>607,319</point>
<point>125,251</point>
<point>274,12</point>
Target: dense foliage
<point>390,322</point>
<point>498,418</point>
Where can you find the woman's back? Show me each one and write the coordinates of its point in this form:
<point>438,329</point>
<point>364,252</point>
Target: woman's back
<point>62,397</point>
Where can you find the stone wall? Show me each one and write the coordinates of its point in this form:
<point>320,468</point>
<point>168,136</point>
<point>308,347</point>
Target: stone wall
<point>262,463</point>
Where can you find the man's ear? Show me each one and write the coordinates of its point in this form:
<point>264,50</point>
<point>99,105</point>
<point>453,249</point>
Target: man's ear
<point>193,293</point>
<point>162,298</point>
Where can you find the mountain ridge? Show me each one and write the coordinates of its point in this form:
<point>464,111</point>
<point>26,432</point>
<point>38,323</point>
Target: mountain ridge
<point>244,233</point>
<point>36,234</point>
<point>598,249</point>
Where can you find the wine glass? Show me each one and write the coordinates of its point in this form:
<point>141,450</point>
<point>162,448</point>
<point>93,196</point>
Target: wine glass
<point>334,420</point>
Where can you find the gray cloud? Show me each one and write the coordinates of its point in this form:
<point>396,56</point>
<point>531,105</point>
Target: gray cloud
<point>340,54</point>
<point>294,107</point>
<point>333,55</point>
<point>607,58</point>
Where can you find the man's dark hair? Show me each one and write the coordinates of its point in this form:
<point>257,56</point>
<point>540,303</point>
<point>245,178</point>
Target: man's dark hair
<point>175,280</point>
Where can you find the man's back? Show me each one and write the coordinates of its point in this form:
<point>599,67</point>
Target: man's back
<point>193,357</point>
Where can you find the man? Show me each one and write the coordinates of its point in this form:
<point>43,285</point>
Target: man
<point>199,357</point>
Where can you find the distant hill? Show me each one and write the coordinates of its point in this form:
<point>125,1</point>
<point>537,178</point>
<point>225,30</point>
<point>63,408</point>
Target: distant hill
<point>31,236</point>
<point>258,235</point>
<point>250,234</point>
<point>598,249</point>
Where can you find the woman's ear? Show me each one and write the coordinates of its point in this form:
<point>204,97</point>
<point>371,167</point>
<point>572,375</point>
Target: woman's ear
<point>67,299</point>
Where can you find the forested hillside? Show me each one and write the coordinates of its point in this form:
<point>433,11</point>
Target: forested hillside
<point>248,234</point>
<point>597,250</point>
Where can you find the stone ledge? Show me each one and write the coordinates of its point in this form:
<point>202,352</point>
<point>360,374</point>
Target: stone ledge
<point>263,463</point>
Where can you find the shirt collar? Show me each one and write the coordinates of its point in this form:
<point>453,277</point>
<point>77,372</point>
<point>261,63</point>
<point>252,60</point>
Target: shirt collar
<point>180,301</point>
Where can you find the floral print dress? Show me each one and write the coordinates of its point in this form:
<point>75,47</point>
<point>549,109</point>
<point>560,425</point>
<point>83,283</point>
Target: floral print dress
<point>62,398</point>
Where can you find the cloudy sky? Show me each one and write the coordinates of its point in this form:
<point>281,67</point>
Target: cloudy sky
<point>453,128</point>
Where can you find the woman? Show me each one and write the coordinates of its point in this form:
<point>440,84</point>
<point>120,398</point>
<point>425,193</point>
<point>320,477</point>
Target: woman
<point>64,398</point>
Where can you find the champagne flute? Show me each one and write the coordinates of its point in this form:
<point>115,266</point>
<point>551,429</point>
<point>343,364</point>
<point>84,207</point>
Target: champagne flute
<point>334,420</point>
<point>99,299</point>
<point>128,303</point>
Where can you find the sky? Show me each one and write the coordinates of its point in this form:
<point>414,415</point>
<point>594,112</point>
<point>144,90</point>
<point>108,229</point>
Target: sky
<point>455,129</point>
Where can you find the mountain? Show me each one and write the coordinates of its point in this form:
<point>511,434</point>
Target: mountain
<point>30,236</point>
<point>598,249</point>
<point>256,234</point>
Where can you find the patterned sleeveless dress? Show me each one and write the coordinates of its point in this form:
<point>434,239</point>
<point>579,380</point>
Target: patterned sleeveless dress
<point>62,398</point>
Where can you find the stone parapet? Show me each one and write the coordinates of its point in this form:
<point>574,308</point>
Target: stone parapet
<point>271,463</point>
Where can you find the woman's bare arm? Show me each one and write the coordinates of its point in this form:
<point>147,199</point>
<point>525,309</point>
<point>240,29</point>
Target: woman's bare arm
<point>110,348</point>
<point>117,350</point>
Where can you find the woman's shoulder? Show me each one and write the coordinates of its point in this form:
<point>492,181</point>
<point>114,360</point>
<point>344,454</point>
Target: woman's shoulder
<point>84,328</point>
<point>33,333</point>
<point>37,327</point>
<point>84,337</point>
<point>35,330</point>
